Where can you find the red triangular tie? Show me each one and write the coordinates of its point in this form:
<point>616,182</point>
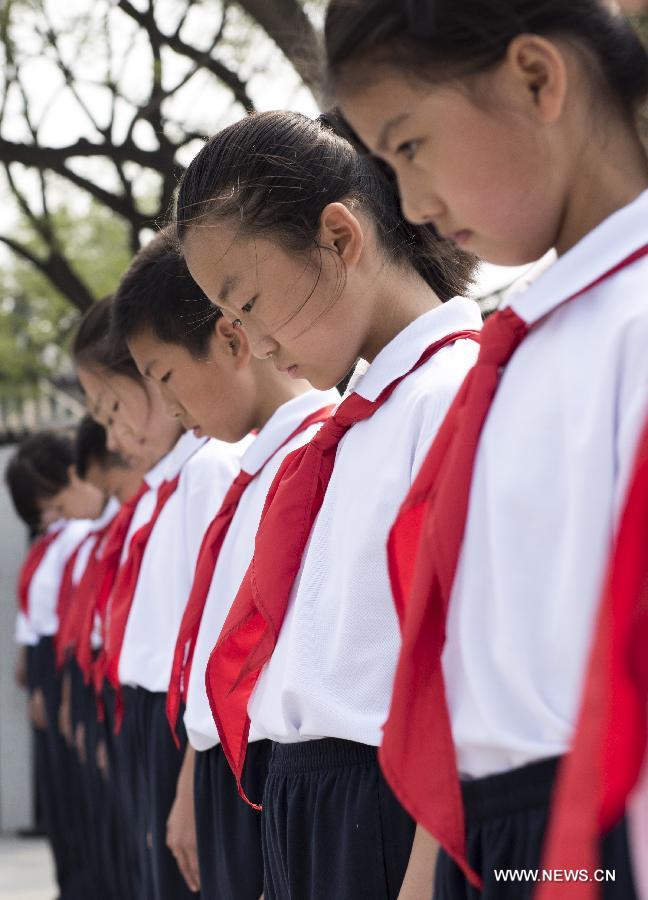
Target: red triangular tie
<point>66,635</point>
<point>110,552</point>
<point>34,558</point>
<point>207,558</point>
<point>423,552</point>
<point>252,627</point>
<point>121,598</point>
<point>609,746</point>
<point>86,604</point>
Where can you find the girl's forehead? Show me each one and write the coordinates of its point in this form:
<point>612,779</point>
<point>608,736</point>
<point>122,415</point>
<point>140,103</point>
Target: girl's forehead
<point>220,258</point>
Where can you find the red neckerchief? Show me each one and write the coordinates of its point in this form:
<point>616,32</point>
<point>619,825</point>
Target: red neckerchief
<point>252,627</point>
<point>207,558</point>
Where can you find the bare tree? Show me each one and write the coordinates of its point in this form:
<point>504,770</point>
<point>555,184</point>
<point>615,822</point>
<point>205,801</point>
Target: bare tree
<point>137,82</point>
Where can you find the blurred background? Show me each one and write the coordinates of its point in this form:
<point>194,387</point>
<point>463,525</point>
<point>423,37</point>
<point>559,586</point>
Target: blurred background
<point>102,104</point>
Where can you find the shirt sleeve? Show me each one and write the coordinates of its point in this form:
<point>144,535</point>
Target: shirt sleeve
<point>24,634</point>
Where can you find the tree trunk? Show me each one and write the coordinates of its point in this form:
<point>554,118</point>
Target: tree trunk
<point>292,31</point>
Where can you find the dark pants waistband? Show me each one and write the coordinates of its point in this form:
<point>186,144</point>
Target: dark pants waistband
<point>322,753</point>
<point>518,790</point>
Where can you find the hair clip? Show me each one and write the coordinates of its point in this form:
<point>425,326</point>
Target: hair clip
<point>421,17</point>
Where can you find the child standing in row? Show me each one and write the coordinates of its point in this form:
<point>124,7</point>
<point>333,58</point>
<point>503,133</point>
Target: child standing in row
<point>304,248</point>
<point>511,127</point>
<point>138,427</point>
<point>78,641</point>
<point>209,379</point>
<point>44,487</point>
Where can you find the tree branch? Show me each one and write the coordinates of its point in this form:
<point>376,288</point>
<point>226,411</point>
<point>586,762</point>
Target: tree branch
<point>174,41</point>
<point>48,157</point>
<point>57,270</point>
<point>293,32</point>
<point>121,204</point>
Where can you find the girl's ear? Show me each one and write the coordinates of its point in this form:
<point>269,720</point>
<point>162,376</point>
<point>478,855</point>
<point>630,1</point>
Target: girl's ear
<point>341,232</point>
<point>232,342</point>
<point>540,70</point>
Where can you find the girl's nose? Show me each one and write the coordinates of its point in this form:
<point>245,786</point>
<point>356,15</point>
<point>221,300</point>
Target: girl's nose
<point>420,211</point>
<point>419,208</point>
<point>112,442</point>
<point>171,405</point>
<point>263,347</point>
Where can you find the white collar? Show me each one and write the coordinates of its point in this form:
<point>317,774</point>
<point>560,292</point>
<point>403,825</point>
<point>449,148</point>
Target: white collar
<point>599,251</point>
<point>404,350</point>
<point>281,424</point>
<point>186,446</point>
<point>155,476</point>
<point>168,467</point>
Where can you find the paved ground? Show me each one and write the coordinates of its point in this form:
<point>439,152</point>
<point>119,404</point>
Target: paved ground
<point>25,870</point>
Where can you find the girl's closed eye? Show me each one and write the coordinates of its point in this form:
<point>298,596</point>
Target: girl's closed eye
<point>250,304</point>
<point>408,149</point>
<point>166,377</point>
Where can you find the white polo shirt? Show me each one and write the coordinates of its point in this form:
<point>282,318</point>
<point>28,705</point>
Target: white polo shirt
<point>44,588</point>
<point>551,471</point>
<point>262,459</point>
<point>24,634</point>
<point>142,514</point>
<point>332,670</point>
<point>207,468</point>
<point>146,504</point>
<point>109,512</point>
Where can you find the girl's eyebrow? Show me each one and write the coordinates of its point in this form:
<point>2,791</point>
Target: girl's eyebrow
<point>228,285</point>
<point>383,136</point>
<point>96,408</point>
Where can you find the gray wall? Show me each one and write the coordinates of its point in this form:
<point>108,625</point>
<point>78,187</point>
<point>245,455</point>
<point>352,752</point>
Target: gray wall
<point>16,798</point>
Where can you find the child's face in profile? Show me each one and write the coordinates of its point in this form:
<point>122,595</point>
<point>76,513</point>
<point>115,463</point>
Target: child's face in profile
<point>210,394</point>
<point>304,311</point>
<point>133,415</point>
<point>482,164</point>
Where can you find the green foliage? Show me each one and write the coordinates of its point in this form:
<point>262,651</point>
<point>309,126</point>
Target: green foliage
<point>35,319</point>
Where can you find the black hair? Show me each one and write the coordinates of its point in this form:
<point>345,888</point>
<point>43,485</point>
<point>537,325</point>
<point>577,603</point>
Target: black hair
<point>158,294</point>
<point>38,470</point>
<point>273,173</point>
<point>94,346</point>
<point>90,447</point>
<point>444,39</point>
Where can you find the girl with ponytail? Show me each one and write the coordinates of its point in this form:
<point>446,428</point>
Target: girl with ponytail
<point>513,127</point>
<point>298,237</point>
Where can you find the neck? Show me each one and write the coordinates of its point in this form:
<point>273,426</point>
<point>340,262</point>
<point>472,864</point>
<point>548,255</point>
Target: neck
<point>167,447</point>
<point>273,389</point>
<point>606,178</point>
<point>400,298</point>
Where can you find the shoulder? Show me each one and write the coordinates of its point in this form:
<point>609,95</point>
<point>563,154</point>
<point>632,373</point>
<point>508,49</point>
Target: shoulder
<point>435,383</point>
<point>619,300</point>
